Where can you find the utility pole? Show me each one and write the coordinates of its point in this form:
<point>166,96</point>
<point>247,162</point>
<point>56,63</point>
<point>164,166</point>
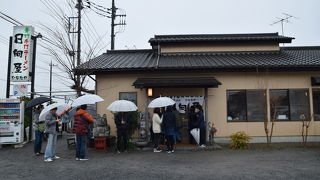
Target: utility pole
<point>122,22</point>
<point>113,17</point>
<point>51,77</point>
<point>79,7</point>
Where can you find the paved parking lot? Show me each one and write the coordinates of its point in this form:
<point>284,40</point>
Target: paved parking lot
<point>283,163</point>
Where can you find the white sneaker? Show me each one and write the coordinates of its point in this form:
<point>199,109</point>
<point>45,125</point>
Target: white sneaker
<point>203,146</point>
<point>172,151</point>
<point>77,159</point>
<point>56,157</point>
<point>169,152</point>
<point>157,150</point>
<point>84,159</point>
<point>48,160</point>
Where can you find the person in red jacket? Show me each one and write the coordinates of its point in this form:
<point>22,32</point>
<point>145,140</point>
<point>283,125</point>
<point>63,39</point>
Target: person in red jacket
<point>82,119</point>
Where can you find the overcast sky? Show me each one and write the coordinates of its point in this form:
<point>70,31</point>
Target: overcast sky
<point>145,18</point>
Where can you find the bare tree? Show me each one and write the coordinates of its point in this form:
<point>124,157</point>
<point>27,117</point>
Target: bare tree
<point>262,83</point>
<point>61,44</point>
<point>305,127</point>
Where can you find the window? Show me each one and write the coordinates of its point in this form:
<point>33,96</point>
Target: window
<point>130,96</point>
<point>290,104</point>
<point>246,105</point>
<point>316,104</point>
<point>256,105</point>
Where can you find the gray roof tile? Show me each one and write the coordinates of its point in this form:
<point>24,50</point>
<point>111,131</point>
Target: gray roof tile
<point>146,60</point>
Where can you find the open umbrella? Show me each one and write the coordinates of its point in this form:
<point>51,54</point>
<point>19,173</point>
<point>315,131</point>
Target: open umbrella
<point>195,132</point>
<point>37,101</point>
<point>60,108</point>
<point>161,102</point>
<point>122,106</point>
<point>87,99</point>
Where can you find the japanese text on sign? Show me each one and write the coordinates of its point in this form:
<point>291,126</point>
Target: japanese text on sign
<point>21,53</point>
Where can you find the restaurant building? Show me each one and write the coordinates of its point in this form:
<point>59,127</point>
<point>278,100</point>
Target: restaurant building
<point>241,80</point>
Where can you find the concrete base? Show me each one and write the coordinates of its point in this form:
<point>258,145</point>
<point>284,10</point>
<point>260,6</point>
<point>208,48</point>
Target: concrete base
<point>275,139</point>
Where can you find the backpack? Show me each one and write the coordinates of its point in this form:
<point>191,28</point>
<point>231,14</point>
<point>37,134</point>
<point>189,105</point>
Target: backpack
<point>42,127</point>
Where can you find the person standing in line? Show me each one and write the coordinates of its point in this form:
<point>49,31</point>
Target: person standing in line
<point>51,129</point>
<point>122,123</point>
<point>201,125</point>
<point>65,119</point>
<point>177,135</point>
<point>156,127</point>
<point>82,119</point>
<point>191,123</point>
<point>169,124</point>
<point>39,127</point>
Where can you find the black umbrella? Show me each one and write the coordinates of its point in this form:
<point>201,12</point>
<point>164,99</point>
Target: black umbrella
<point>37,101</point>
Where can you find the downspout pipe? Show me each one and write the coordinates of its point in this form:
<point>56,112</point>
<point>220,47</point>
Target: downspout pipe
<point>158,58</point>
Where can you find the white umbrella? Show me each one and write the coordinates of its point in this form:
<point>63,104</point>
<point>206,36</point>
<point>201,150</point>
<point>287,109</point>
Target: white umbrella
<point>161,102</point>
<point>196,134</point>
<point>87,99</point>
<point>60,108</point>
<point>122,106</point>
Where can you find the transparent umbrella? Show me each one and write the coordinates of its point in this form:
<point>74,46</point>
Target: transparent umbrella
<point>161,102</point>
<point>60,108</point>
<point>87,99</point>
<point>122,106</point>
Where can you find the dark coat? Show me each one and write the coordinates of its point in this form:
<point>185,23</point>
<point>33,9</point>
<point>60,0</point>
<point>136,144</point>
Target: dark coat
<point>169,119</point>
<point>125,117</point>
<point>200,120</point>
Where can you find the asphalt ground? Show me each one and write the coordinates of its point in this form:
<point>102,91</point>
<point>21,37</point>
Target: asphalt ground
<point>257,163</point>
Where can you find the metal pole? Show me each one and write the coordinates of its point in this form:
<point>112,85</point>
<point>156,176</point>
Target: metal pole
<point>50,78</point>
<point>206,112</point>
<point>9,68</point>
<point>113,16</point>
<point>79,45</point>
<point>32,80</point>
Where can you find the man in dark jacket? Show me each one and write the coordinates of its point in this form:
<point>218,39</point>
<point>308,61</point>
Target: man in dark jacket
<point>169,125</point>
<point>201,125</point>
<point>123,123</point>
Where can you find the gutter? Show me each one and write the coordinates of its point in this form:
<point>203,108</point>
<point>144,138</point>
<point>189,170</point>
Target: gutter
<point>158,58</point>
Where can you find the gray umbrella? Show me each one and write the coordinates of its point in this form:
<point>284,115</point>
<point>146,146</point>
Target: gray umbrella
<point>37,101</point>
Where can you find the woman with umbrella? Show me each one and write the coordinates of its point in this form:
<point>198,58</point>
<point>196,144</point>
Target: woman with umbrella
<point>156,128</point>
<point>39,127</point>
<point>51,128</point>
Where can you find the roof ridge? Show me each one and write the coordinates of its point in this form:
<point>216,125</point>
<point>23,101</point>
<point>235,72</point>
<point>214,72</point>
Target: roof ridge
<point>238,34</point>
<point>300,48</point>
<point>128,50</point>
<point>219,53</point>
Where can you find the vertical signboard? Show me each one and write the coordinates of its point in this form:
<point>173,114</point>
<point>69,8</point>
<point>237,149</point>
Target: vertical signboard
<point>21,55</point>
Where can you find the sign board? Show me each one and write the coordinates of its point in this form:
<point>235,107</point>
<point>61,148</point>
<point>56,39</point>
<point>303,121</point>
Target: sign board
<point>20,89</point>
<point>4,127</point>
<point>21,55</point>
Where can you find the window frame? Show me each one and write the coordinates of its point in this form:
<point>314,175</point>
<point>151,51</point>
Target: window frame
<point>289,104</point>
<point>136,95</point>
<point>246,108</point>
<point>313,103</point>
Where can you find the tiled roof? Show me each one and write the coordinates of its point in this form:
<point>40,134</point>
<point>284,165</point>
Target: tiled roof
<point>219,38</point>
<point>126,61</point>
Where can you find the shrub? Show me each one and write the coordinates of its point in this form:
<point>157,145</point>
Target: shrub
<point>239,140</point>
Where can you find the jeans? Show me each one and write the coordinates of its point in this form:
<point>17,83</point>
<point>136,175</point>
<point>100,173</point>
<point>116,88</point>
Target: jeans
<point>81,146</point>
<point>202,136</point>
<point>51,146</point>
<point>122,136</point>
<point>156,140</point>
<point>169,142</point>
<point>38,141</point>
